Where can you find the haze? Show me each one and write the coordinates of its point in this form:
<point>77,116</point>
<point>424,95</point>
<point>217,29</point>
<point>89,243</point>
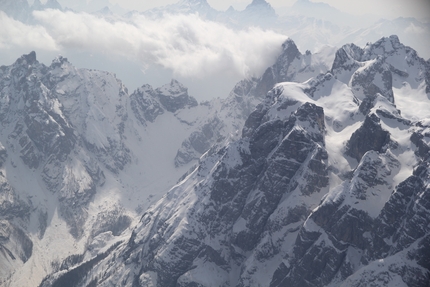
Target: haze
<point>382,8</point>
<point>206,56</point>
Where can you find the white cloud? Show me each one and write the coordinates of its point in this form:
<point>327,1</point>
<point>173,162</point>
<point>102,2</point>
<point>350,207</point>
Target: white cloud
<point>14,34</point>
<point>412,29</point>
<point>186,44</point>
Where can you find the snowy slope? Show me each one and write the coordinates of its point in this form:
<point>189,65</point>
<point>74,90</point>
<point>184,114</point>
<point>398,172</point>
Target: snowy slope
<point>227,117</point>
<point>93,156</point>
<point>328,185</point>
<point>77,162</point>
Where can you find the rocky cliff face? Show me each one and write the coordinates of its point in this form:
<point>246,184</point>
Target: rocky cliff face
<point>54,155</point>
<point>68,141</point>
<point>328,185</point>
<point>229,115</point>
<point>42,126</point>
<point>77,137</point>
<point>148,103</point>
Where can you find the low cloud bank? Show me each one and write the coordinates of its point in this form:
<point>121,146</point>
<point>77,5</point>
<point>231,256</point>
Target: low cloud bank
<point>14,34</point>
<point>185,44</point>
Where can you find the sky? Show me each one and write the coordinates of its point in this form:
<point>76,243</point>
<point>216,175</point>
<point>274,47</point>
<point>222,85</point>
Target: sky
<point>208,57</point>
<point>385,8</point>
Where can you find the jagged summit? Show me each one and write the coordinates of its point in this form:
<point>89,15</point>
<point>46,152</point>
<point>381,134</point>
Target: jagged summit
<point>315,173</point>
<point>52,4</point>
<point>28,59</point>
<point>289,47</point>
<point>174,88</point>
<point>263,5</point>
<point>308,3</point>
<point>258,11</point>
<point>106,11</point>
<point>193,3</point>
<point>260,3</point>
<point>328,185</point>
<point>59,61</point>
<point>230,10</point>
<point>37,5</point>
<point>201,7</point>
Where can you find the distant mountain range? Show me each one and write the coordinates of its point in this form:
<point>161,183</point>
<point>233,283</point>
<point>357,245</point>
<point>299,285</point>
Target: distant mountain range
<point>310,24</point>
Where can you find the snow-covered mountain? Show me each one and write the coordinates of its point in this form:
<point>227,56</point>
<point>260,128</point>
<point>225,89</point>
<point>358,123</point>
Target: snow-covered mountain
<point>311,25</point>
<point>79,157</point>
<point>325,12</point>
<point>327,185</point>
<point>228,115</point>
<point>412,32</point>
<point>200,7</point>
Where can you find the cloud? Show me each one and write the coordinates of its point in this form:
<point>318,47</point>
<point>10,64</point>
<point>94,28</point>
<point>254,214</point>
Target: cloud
<point>186,44</point>
<point>16,34</point>
<point>412,29</point>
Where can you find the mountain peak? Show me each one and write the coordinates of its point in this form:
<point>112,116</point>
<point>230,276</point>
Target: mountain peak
<point>28,59</point>
<point>290,49</point>
<point>327,186</point>
<point>105,11</point>
<point>230,9</point>
<point>53,4</point>
<point>259,9</point>
<point>394,38</point>
<point>259,3</point>
<point>174,96</point>
<point>58,61</point>
<point>37,5</point>
<point>175,87</point>
<point>193,3</point>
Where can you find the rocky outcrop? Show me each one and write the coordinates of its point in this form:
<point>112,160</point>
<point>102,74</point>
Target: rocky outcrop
<point>148,104</point>
<point>323,182</point>
<point>284,205</point>
<point>174,97</point>
<point>53,115</point>
<point>370,136</point>
<point>290,66</point>
<point>145,105</point>
<point>15,245</point>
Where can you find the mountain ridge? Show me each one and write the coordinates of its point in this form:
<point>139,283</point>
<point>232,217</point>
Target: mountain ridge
<point>300,198</point>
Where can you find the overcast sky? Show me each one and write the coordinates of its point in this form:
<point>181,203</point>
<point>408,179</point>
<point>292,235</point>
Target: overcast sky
<point>208,57</point>
<point>385,8</point>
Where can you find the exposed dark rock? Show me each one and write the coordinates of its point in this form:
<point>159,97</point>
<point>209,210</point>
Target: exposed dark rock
<point>265,200</point>
<point>175,96</point>
<point>14,242</point>
<point>370,136</point>
<point>280,71</point>
<point>3,155</point>
<point>374,79</point>
<point>11,205</point>
<point>423,150</point>
<point>144,104</point>
<point>347,58</point>
<point>199,142</point>
<point>114,221</point>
